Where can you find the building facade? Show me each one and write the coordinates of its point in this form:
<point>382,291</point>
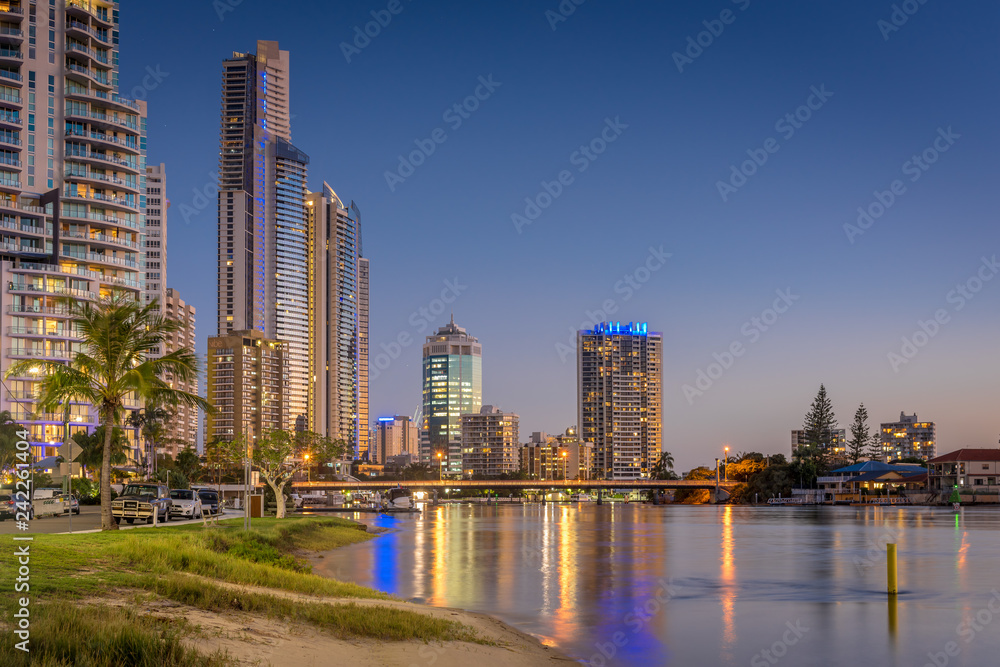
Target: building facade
<point>394,436</point>
<point>181,430</point>
<point>908,437</point>
<point>156,233</point>
<point>452,386</point>
<point>967,470</point>
<point>490,444</point>
<point>263,244</point>
<point>59,74</point>
<point>245,384</point>
<point>619,398</point>
<point>338,322</point>
<point>547,457</point>
<point>838,441</point>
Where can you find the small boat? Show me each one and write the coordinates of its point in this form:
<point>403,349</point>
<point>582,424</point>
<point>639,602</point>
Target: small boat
<point>398,500</point>
<point>581,498</point>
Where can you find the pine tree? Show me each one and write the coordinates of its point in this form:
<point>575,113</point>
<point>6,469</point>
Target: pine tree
<point>860,438</point>
<point>875,452</point>
<point>820,422</point>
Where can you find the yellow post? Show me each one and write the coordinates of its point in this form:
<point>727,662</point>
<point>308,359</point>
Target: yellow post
<point>890,560</point>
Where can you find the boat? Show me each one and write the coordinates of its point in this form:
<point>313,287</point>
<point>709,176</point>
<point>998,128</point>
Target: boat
<point>581,498</point>
<point>398,500</point>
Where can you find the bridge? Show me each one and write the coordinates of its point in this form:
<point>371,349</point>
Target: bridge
<point>513,485</point>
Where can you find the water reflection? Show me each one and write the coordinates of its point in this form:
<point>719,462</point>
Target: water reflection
<point>592,580</point>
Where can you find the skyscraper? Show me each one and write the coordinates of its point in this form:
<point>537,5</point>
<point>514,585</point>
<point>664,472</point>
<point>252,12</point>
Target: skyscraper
<point>620,400</point>
<point>263,238</point>
<point>394,436</point>
<point>338,321</point>
<point>908,438</point>
<point>490,444</point>
<point>59,74</point>
<point>181,430</point>
<point>452,386</point>
<point>156,233</point>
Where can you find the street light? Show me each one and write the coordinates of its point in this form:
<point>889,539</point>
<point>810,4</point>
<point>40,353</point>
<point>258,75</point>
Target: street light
<point>564,455</point>
<point>441,468</point>
<point>725,467</point>
<point>308,470</point>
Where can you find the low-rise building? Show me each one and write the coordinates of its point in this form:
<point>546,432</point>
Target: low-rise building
<point>967,470</point>
<point>557,457</point>
<point>850,483</point>
<point>490,442</point>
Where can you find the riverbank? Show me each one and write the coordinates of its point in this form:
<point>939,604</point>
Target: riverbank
<point>187,595</point>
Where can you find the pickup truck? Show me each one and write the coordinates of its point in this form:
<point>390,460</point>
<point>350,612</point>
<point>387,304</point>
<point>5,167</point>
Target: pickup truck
<point>138,501</point>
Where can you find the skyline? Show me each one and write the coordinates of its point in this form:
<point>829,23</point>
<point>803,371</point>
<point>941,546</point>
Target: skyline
<point>534,110</point>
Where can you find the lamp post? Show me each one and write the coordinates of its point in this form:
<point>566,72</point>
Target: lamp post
<point>725,467</point>
<point>441,467</point>
<point>308,469</point>
<point>564,455</point>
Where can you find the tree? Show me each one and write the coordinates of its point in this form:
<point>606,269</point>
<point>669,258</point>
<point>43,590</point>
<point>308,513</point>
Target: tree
<point>664,467</point>
<point>875,452</point>
<point>91,445</point>
<point>820,422</point>
<point>278,455</point>
<point>112,366</point>
<point>189,463</point>
<point>695,495</point>
<point>8,441</point>
<point>860,437</point>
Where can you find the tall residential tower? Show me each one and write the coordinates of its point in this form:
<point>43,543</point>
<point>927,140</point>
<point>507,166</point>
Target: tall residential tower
<point>620,397</point>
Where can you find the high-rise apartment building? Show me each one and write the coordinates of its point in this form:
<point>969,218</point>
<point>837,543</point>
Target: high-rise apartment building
<point>338,321</point>
<point>246,386</point>
<point>156,233</point>
<point>394,436</point>
<point>263,242</point>
<point>908,437</point>
<point>490,444</point>
<point>63,130</point>
<point>619,400</point>
<point>452,387</point>
<point>181,430</point>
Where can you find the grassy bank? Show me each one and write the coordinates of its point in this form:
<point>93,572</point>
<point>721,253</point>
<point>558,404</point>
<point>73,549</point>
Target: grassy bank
<point>78,583</point>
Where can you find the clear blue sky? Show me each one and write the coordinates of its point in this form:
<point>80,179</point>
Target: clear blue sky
<point>655,185</point>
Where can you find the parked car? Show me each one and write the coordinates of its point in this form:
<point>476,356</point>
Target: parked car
<point>185,503</point>
<point>71,503</point>
<point>139,501</point>
<point>8,506</point>
<point>209,500</point>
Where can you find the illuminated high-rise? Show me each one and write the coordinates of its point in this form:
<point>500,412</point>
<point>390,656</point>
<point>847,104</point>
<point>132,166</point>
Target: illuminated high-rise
<point>452,387</point>
<point>64,129</point>
<point>620,397</point>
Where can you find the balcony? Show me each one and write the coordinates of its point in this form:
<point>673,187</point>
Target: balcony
<point>101,238</point>
<point>51,289</point>
<point>104,178</point>
<point>85,8</point>
<point>33,352</point>
<point>11,35</point>
<point>38,331</point>
<point>40,310</point>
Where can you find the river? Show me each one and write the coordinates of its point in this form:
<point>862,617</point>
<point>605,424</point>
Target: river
<point>704,585</point>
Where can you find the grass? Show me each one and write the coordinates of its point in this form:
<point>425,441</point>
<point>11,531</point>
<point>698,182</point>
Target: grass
<point>160,562</point>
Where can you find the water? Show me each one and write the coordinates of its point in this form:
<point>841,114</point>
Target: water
<point>704,585</point>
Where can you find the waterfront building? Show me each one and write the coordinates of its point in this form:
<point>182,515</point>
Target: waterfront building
<point>908,437</point>
<point>490,444</point>
<point>394,436</point>
<point>246,385</point>
<point>181,430</point>
<point>619,398</point>
<point>263,240</point>
<point>838,441</point>
<point>338,322</point>
<point>970,470</point>
<point>875,477</point>
<point>452,386</point>
<point>565,456</point>
<point>59,73</point>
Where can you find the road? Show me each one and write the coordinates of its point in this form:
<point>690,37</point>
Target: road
<point>88,519</point>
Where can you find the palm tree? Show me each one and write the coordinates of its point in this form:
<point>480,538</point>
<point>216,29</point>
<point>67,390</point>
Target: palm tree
<point>664,467</point>
<point>116,332</point>
<point>8,441</point>
<point>92,448</point>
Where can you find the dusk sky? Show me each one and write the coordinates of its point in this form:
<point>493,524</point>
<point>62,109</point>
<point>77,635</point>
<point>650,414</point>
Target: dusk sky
<point>881,94</point>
